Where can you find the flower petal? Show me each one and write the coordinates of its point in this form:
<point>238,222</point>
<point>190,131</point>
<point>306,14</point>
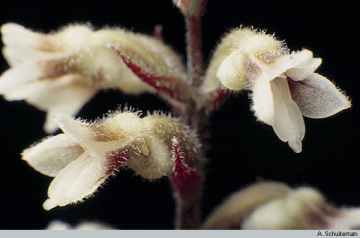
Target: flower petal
<point>263,102</point>
<point>53,154</point>
<point>318,97</point>
<point>289,124</point>
<point>13,79</point>
<point>77,180</point>
<point>102,137</point>
<point>67,94</point>
<point>303,69</point>
<point>297,65</point>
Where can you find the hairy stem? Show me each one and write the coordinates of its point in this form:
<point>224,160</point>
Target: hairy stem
<point>188,210</point>
<point>194,50</point>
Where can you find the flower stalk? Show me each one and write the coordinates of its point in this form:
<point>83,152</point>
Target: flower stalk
<point>188,204</point>
<point>60,72</point>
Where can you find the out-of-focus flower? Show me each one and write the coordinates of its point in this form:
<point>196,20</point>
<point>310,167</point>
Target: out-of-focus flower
<point>62,71</point>
<point>85,225</point>
<point>86,154</point>
<point>275,206</point>
<point>284,86</point>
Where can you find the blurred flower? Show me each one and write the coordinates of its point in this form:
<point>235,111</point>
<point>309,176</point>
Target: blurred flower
<point>86,225</point>
<point>86,154</point>
<point>62,71</point>
<point>284,86</point>
<point>275,206</point>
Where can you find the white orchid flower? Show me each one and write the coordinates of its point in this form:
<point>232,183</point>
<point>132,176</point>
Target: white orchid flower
<point>86,154</point>
<point>64,70</point>
<point>284,86</point>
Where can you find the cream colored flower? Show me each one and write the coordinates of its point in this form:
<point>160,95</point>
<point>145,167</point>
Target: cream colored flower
<point>86,154</point>
<point>62,71</point>
<point>276,206</point>
<point>284,86</point>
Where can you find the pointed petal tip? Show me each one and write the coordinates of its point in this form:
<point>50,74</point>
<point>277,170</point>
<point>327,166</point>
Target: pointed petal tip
<point>297,148</point>
<point>49,204</point>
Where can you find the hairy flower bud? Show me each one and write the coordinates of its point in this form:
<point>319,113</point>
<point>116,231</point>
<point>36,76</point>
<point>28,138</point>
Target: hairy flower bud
<point>284,86</point>
<point>62,71</point>
<point>86,154</point>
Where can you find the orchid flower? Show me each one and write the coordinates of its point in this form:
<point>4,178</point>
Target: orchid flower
<point>276,206</point>
<point>62,71</point>
<point>86,154</point>
<point>284,86</point>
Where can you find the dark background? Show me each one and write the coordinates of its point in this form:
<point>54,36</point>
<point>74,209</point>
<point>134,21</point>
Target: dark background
<point>242,149</point>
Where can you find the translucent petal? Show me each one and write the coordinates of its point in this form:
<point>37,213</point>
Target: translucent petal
<point>318,97</point>
<point>77,180</point>
<point>289,124</point>
<point>53,154</point>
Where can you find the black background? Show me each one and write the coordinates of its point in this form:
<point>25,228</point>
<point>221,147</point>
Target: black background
<point>241,149</point>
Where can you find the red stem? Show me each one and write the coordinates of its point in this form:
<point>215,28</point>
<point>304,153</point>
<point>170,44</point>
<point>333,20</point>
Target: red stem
<point>194,50</point>
<point>187,183</point>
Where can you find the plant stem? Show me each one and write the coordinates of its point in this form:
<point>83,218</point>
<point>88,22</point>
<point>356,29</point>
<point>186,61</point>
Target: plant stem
<point>188,210</point>
<point>194,50</point>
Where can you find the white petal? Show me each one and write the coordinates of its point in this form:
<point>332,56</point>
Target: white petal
<point>289,124</point>
<point>18,56</point>
<point>67,94</point>
<point>263,101</point>
<point>77,180</point>
<point>15,36</point>
<point>304,69</point>
<point>92,137</point>
<point>53,154</point>
<point>317,97</point>
<point>297,64</point>
<point>13,79</point>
